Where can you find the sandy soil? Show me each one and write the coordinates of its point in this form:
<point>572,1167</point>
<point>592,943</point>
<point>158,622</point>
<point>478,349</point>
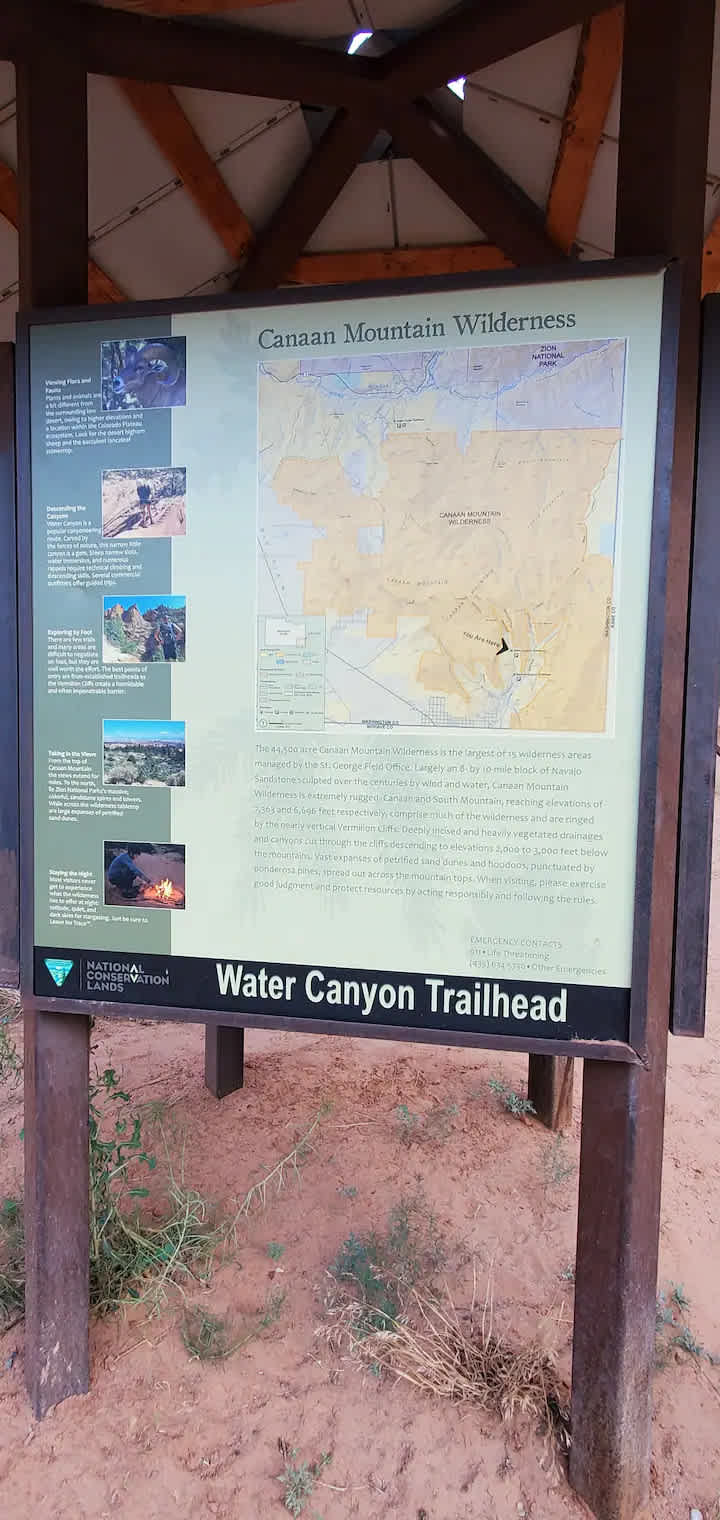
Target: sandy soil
<point>161,1435</point>
<point>170,521</point>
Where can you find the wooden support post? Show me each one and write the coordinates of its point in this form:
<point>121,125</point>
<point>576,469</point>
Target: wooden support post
<point>56,1208</point>
<point>550,1089</point>
<point>224,1059</point>
<point>52,172</point>
<point>660,208</point>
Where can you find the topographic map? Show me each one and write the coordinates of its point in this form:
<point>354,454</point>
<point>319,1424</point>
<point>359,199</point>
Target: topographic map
<point>436,537</point>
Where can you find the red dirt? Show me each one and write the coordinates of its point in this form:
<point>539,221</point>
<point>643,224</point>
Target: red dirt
<point>161,1435</point>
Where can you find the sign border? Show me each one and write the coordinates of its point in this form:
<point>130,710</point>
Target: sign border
<point>9,802</point>
<point>702,694</point>
<point>650,876</point>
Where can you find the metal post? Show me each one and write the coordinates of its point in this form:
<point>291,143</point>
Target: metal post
<point>660,210</point>
<point>224,1059</point>
<point>52,171</point>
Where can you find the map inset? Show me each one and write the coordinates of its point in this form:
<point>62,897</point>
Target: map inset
<point>448,519</point>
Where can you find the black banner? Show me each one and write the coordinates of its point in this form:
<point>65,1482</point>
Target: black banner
<point>470,1005</point>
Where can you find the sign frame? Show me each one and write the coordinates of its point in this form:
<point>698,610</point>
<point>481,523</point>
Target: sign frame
<point>650,876</point>
<point>702,695</point>
<point>9,802</point>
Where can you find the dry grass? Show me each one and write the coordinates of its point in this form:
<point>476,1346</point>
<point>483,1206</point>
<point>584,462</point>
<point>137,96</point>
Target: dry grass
<point>276,1178</point>
<point>451,1356</point>
<point>443,1357</point>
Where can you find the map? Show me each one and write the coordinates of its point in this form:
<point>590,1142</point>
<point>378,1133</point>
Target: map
<point>436,538</point>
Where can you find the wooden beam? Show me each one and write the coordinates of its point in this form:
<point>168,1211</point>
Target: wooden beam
<point>53,241</point>
<point>473,182</point>
<point>667,66</point>
<point>101,287</point>
<point>711,260</point>
<point>163,117</point>
<point>224,1059</point>
<point>9,205</point>
<point>550,1090</point>
<point>472,37</point>
<point>171,51</point>
<point>596,71</point>
<point>50,207</point>
<point>395,263</point>
<point>189,7</point>
<point>205,56</point>
<point>310,196</point>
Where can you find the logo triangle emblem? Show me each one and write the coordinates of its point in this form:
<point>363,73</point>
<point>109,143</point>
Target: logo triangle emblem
<point>59,970</point>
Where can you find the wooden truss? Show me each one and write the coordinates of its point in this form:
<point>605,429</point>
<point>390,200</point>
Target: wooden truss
<point>158,49</point>
<point>139,41</point>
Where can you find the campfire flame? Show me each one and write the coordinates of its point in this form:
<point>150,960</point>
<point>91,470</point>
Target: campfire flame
<point>165,893</point>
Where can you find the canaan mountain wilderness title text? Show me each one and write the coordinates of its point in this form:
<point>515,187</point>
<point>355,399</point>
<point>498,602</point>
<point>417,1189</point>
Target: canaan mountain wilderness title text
<point>468,324</point>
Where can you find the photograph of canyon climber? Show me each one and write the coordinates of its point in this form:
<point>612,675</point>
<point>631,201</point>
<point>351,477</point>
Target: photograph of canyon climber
<point>140,630</point>
<point>144,875</point>
<point>143,503</point>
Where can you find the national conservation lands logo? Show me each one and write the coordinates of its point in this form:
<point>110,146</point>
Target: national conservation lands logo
<point>111,976</point>
<point>120,978</point>
<point>59,970</point>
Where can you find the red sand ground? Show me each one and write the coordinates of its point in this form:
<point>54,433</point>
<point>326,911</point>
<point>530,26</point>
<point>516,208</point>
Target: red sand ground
<point>161,1435</point>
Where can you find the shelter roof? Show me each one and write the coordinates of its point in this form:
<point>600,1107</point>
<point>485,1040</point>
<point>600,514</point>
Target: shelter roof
<point>153,235</point>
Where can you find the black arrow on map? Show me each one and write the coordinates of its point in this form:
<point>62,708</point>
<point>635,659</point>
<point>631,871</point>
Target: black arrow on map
<point>504,648</point>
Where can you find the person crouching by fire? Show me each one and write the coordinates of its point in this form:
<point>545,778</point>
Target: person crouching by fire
<point>125,875</point>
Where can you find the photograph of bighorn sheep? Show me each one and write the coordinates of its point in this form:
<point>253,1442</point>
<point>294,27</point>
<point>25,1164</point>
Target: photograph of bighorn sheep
<point>149,372</point>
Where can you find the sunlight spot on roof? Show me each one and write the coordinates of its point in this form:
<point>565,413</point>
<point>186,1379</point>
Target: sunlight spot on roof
<point>358,40</point>
<point>457,86</point>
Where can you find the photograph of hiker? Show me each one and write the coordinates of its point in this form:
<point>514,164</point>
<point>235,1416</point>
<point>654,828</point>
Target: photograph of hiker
<point>140,630</point>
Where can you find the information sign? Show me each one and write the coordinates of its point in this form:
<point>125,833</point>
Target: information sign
<point>337,615</point>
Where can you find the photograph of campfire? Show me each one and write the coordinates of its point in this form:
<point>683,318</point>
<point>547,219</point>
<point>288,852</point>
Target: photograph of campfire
<point>144,875</point>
